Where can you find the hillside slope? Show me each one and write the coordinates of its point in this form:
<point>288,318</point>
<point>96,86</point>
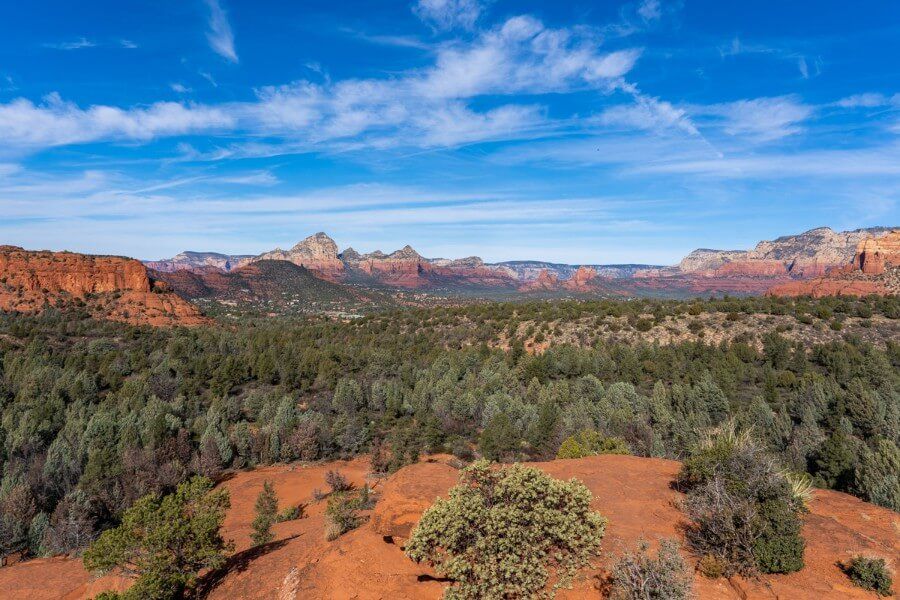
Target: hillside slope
<point>275,285</point>
<point>368,563</point>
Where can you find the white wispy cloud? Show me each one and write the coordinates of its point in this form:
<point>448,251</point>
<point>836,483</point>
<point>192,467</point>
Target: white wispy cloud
<point>650,10</point>
<point>55,122</point>
<point>444,15</point>
<point>420,108</point>
<point>648,112</point>
<point>220,36</point>
<point>868,100</point>
<point>72,45</point>
<point>878,161</point>
<point>128,44</point>
<point>762,119</point>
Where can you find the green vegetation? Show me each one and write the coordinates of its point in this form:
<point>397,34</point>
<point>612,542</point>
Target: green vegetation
<point>165,542</point>
<point>870,574</point>
<point>640,576</point>
<point>508,532</point>
<point>745,512</point>
<point>94,416</point>
<point>343,509</point>
<point>591,443</point>
<point>266,515</point>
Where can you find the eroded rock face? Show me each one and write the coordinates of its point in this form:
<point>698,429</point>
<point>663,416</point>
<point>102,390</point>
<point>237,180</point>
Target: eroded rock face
<point>112,287</point>
<point>545,281</point>
<point>874,255</point>
<point>582,280</point>
<point>875,269</point>
<point>806,255</point>
<point>403,268</point>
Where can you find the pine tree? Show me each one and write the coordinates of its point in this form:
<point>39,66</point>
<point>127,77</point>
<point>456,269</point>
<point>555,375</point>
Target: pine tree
<point>266,515</point>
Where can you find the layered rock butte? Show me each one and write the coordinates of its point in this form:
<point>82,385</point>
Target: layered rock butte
<point>875,269</point>
<point>368,563</point>
<point>110,287</point>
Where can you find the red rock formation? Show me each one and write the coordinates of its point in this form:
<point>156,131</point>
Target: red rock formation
<point>546,281</point>
<point>751,268</point>
<point>873,271</point>
<point>875,254</point>
<point>112,287</point>
<point>318,253</point>
<point>403,268</point>
<point>821,287</point>
<point>581,281</point>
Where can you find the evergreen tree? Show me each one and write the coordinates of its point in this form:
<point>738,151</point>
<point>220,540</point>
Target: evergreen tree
<point>266,515</point>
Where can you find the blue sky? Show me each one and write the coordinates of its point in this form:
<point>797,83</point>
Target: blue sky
<point>585,132</point>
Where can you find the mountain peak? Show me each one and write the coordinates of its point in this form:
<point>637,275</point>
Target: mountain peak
<point>406,252</point>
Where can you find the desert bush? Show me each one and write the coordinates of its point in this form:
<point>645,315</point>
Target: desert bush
<point>337,482</point>
<point>643,325</point>
<point>507,532</point>
<point>165,542</point>
<point>343,509</point>
<point>591,443</point>
<point>711,566</point>
<point>870,574</point>
<point>744,510</point>
<point>640,576</point>
<point>291,513</point>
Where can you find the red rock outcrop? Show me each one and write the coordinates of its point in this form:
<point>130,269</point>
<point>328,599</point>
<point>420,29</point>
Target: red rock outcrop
<point>581,281</point>
<point>112,287</point>
<point>874,255</point>
<point>368,563</point>
<point>403,268</point>
<point>546,281</point>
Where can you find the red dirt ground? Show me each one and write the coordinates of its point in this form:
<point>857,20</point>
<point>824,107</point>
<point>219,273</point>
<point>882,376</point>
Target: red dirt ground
<point>368,563</point>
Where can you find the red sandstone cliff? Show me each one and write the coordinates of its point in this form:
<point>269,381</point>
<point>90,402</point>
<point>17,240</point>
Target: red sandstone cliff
<point>111,287</point>
<point>875,269</point>
<point>582,281</point>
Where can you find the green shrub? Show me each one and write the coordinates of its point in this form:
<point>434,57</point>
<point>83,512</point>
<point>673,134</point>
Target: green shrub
<point>342,512</point>
<point>166,541</point>
<point>291,513</point>
<point>745,512</point>
<point>640,576</point>
<point>870,574</point>
<point>508,532</point>
<point>591,443</point>
<point>643,325</point>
